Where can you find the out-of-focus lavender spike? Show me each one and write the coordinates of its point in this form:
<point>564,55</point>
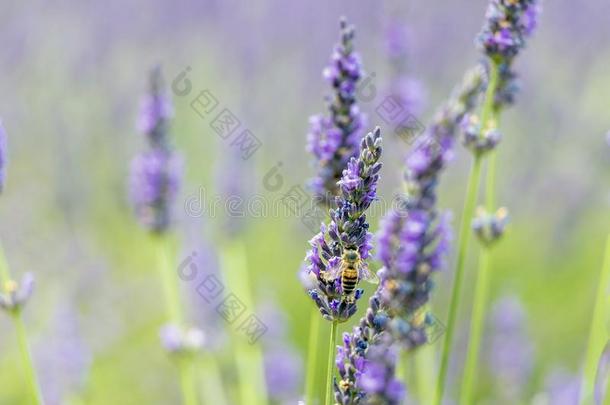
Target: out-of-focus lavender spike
<point>3,156</point>
<point>283,365</point>
<point>156,173</point>
<point>63,358</point>
<point>508,25</point>
<point>155,110</point>
<point>348,229</point>
<point>407,90</point>
<point>234,184</point>
<point>561,388</point>
<point>511,353</point>
<point>201,260</point>
<point>333,140</point>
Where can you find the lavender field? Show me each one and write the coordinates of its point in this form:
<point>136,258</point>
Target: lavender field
<point>271,202</point>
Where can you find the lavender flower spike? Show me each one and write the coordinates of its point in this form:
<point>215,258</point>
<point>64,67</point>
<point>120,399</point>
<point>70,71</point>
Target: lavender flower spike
<point>508,25</point>
<point>155,173</point>
<point>348,229</point>
<point>413,241</point>
<point>333,140</point>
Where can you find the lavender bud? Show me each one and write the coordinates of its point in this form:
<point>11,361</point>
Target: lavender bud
<point>179,341</point>
<point>488,227</point>
<point>14,296</point>
<point>475,139</point>
<point>333,140</point>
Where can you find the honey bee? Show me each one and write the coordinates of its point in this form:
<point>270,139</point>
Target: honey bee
<point>351,271</point>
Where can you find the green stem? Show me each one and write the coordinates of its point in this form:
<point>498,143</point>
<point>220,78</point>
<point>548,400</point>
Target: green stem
<point>425,373</point>
<point>26,358</point>
<point>464,234</point>
<point>169,281</point>
<point>479,305</point>
<point>211,386</point>
<point>312,355</point>
<point>22,339</point>
<point>331,363</point>
<point>248,357</point>
<point>463,239</point>
<point>476,327</point>
<point>175,315</point>
<point>187,381</point>
<point>598,335</point>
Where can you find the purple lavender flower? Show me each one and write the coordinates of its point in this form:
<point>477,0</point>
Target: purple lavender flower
<point>508,25</point>
<point>156,173</point>
<point>283,365</point>
<point>333,140</point>
<point>378,379</point>
<point>407,90</point>
<point>511,352</point>
<point>414,238</point>
<point>348,229</point>
<point>63,357</point>
<point>15,295</point>
<point>3,154</point>
<point>562,388</point>
<point>413,241</point>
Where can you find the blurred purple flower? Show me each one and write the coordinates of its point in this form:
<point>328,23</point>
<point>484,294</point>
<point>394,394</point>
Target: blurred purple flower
<point>333,140</point>
<point>508,25</point>
<point>511,353</point>
<point>155,174</point>
<point>154,184</point>
<point>408,91</point>
<point>63,358</point>
<point>562,388</point>
<point>283,365</point>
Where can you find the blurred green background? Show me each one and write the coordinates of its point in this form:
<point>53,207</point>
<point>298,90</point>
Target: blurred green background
<point>73,74</point>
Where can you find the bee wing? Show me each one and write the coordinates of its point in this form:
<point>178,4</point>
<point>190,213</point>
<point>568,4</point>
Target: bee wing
<point>334,269</point>
<point>367,275</point>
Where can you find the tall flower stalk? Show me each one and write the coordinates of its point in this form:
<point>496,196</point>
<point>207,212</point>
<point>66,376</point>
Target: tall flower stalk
<point>14,296</point>
<point>234,183</point>
<point>599,335</point>
<point>345,238</point>
<point>413,241</point>
<point>333,140</point>
<point>154,183</point>
<point>508,25</point>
